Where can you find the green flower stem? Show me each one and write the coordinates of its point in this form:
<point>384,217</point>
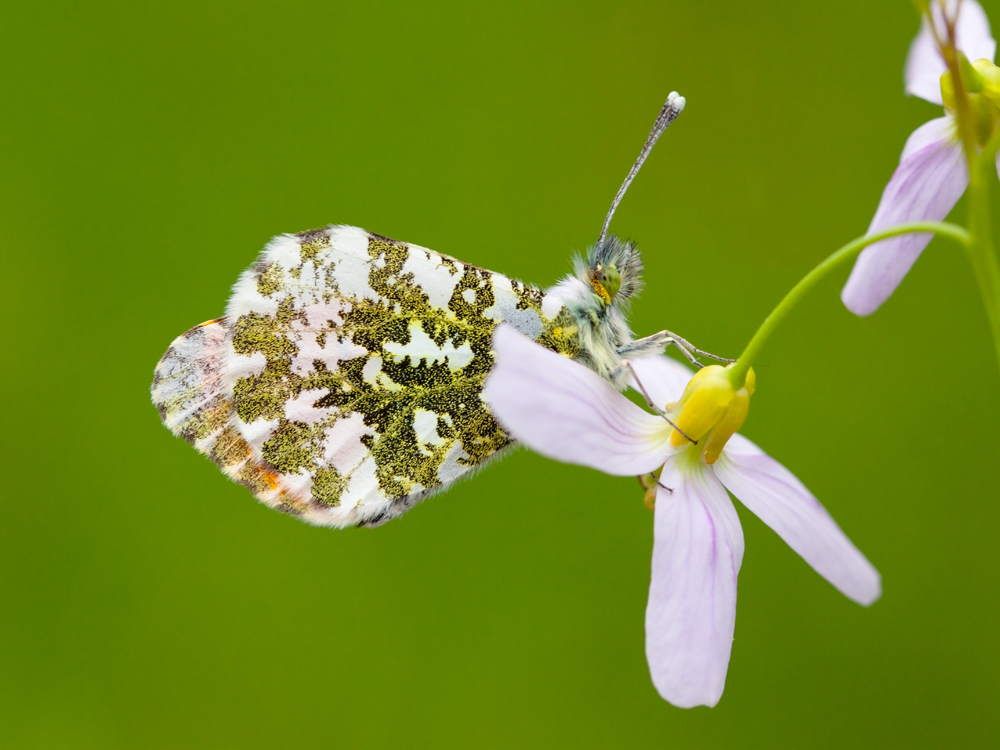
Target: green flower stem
<point>738,371</point>
<point>982,254</point>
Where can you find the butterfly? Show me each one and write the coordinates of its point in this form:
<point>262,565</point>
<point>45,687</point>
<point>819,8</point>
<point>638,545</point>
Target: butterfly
<point>343,385</point>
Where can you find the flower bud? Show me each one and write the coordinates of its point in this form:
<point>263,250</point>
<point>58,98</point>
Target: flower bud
<point>981,81</point>
<point>711,410</point>
<point>990,75</point>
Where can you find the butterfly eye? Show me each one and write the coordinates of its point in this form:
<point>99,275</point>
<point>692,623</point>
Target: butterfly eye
<point>610,279</point>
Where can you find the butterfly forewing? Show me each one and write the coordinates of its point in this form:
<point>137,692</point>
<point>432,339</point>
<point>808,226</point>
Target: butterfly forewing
<point>343,385</point>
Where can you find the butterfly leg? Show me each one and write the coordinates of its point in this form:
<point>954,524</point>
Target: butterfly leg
<point>626,365</point>
<point>656,343</point>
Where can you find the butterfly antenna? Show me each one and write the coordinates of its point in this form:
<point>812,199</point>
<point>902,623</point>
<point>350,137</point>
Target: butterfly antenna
<point>673,107</point>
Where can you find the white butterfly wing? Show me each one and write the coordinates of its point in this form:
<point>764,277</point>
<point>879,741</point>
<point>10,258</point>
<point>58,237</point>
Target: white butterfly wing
<point>343,386</point>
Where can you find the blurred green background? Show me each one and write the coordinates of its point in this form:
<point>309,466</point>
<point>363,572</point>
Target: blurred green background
<point>148,154</point>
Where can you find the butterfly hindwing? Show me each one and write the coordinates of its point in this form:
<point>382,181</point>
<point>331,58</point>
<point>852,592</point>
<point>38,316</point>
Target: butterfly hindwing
<point>344,383</point>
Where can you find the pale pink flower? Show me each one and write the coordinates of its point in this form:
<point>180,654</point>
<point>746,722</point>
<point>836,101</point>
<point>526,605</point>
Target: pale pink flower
<point>932,172</point>
<point>565,411</point>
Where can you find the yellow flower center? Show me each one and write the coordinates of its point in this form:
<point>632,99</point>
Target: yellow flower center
<point>711,410</point>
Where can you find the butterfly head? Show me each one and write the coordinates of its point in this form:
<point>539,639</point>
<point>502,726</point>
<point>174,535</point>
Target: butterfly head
<point>613,270</point>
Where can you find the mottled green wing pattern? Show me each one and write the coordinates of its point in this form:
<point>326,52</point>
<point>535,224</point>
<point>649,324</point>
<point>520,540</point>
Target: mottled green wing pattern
<point>343,386</point>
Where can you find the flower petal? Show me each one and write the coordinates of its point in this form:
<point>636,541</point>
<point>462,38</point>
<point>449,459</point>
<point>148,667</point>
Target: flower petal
<point>663,378</point>
<point>928,182</point>
<point>972,32</point>
<point>931,133</point>
<point>564,411</point>
<point>924,64</point>
<point>691,614</point>
<point>782,502</point>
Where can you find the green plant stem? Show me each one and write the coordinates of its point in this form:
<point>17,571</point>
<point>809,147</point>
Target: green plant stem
<point>980,248</point>
<point>982,254</point>
<point>738,371</point>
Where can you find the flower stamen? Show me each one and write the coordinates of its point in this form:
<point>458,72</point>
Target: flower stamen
<point>713,407</point>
